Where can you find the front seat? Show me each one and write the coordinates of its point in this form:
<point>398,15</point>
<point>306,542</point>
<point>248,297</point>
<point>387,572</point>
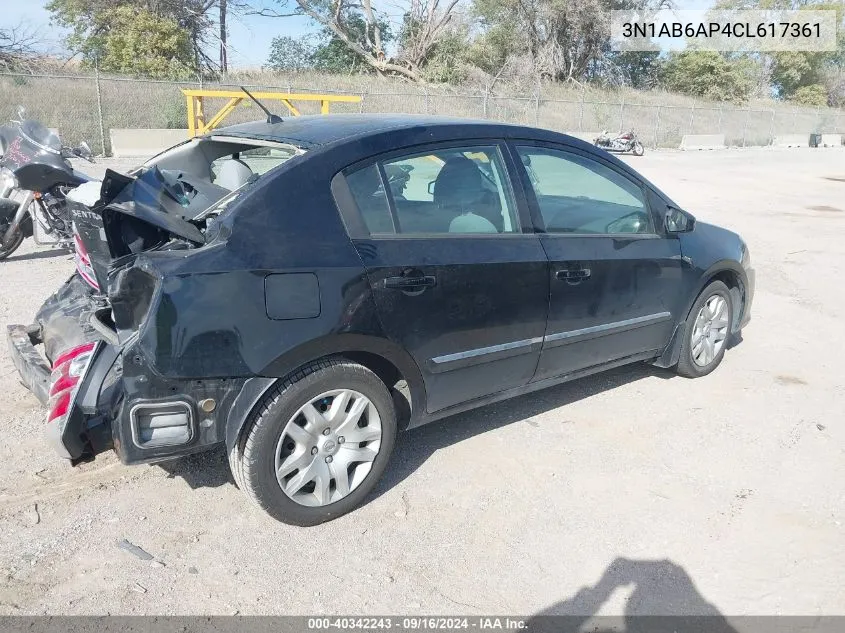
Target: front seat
<point>458,189</point>
<point>234,173</point>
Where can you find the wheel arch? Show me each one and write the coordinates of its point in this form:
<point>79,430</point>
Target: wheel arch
<point>388,361</point>
<point>731,274</point>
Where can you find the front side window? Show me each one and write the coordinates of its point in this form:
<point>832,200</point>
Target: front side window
<point>456,190</point>
<point>579,195</point>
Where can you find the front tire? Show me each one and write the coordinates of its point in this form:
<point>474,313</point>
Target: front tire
<point>707,331</point>
<point>12,245</point>
<point>638,149</point>
<point>318,443</point>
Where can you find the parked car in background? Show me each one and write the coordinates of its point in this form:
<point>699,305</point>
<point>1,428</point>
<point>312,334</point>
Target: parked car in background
<point>383,272</point>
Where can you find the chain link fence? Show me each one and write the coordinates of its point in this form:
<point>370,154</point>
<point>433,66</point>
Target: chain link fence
<point>86,107</point>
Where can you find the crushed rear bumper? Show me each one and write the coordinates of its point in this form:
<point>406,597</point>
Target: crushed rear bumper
<point>33,369</point>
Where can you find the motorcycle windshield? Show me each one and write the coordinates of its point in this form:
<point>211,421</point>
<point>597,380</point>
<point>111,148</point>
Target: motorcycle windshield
<point>40,136</point>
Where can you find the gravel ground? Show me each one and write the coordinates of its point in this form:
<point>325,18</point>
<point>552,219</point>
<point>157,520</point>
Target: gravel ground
<point>635,491</point>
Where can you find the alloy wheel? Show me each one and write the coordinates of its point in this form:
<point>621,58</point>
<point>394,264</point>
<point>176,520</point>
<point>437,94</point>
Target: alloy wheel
<point>710,330</point>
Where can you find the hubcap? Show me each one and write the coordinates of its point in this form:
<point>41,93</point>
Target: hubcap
<point>710,330</point>
<point>328,447</point>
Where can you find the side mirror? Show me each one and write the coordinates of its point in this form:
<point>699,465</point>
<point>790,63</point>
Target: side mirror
<point>21,113</point>
<point>431,188</point>
<point>677,221</point>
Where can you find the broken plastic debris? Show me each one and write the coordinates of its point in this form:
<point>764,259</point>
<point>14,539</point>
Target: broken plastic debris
<point>134,549</point>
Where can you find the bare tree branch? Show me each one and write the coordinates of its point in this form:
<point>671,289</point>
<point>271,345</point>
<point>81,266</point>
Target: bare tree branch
<point>17,47</point>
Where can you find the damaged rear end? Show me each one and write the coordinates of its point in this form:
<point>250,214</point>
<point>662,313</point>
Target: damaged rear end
<point>83,349</point>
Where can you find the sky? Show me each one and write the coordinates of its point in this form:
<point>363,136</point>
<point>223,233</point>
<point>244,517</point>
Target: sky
<point>249,36</point>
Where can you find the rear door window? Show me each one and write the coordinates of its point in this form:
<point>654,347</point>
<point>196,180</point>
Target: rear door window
<point>461,190</point>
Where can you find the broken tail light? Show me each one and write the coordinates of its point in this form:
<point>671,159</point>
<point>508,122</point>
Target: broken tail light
<point>68,370</point>
<point>83,261</point>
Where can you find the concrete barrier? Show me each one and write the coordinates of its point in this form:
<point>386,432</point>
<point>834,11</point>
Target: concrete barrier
<point>792,140</point>
<point>703,141</point>
<point>831,140</point>
<point>143,143</point>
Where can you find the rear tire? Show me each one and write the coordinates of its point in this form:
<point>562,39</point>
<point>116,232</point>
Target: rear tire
<point>326,434</point>
<point>707,331</point>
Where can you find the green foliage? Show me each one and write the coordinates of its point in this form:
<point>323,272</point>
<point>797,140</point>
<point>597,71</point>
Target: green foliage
<point>491,49</point>
<point>324,51</point>
<point>638,69</point>
<point>709,75</point>
<point>125,38</point>
<point>445,62</point>
<point>792,70</point>
<point>815,95</point>
<point>291,54</point>
<point>334,56</point>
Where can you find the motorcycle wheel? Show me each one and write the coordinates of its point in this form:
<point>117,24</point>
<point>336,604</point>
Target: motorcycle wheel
<point>12,245</point>
<point>638,149</point>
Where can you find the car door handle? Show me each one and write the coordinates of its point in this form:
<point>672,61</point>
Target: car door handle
<point>578,274</point>
<point>410,283</point>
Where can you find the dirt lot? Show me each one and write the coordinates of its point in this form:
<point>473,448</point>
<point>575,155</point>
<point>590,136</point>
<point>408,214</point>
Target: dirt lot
<point>726,492</point>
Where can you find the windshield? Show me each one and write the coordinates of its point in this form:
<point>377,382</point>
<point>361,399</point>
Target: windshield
<point>40,136</point>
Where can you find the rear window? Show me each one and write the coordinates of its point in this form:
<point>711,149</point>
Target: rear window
<point>259,160</point>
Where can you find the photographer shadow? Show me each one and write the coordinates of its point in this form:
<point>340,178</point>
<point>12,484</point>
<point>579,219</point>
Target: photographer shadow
<point>664,600</point>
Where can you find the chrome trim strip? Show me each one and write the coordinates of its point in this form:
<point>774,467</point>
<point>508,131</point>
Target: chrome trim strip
<point>626,324</point>
<point>481,351</point>
<point>470,357</point>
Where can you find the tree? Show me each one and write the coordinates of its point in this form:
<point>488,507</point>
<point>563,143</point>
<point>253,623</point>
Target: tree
<point>815,95</point>
<point>709,75</point>
<point>794,72</point>
<point>358,27</point>
<point>17,47</point>
<point>334,55</point>
<point>291,54</point>
<point>204,21</point>
<point>638,69</point>
<point>564,39</point>
<point>135,41</point>
<point>124,38</point>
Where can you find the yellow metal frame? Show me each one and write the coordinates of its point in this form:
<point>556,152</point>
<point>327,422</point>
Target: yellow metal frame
<point>196,113</point>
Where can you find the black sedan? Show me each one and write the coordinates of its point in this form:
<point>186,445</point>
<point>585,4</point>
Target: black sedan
<point>302,290</point>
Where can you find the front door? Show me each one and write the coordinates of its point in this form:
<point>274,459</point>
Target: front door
<point>615,279</point>
<point>456,282</point>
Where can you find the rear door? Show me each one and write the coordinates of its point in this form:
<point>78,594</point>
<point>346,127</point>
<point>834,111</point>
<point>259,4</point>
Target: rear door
<point>456,281</point>
<point>614,278</point>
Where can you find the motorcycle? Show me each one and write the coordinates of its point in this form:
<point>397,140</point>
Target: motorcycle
<point>35,178</point>
<point>627,142</point>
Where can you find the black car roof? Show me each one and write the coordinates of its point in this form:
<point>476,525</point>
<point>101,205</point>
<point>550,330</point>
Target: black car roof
<point>319,129</point>
<point>373,133</point>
